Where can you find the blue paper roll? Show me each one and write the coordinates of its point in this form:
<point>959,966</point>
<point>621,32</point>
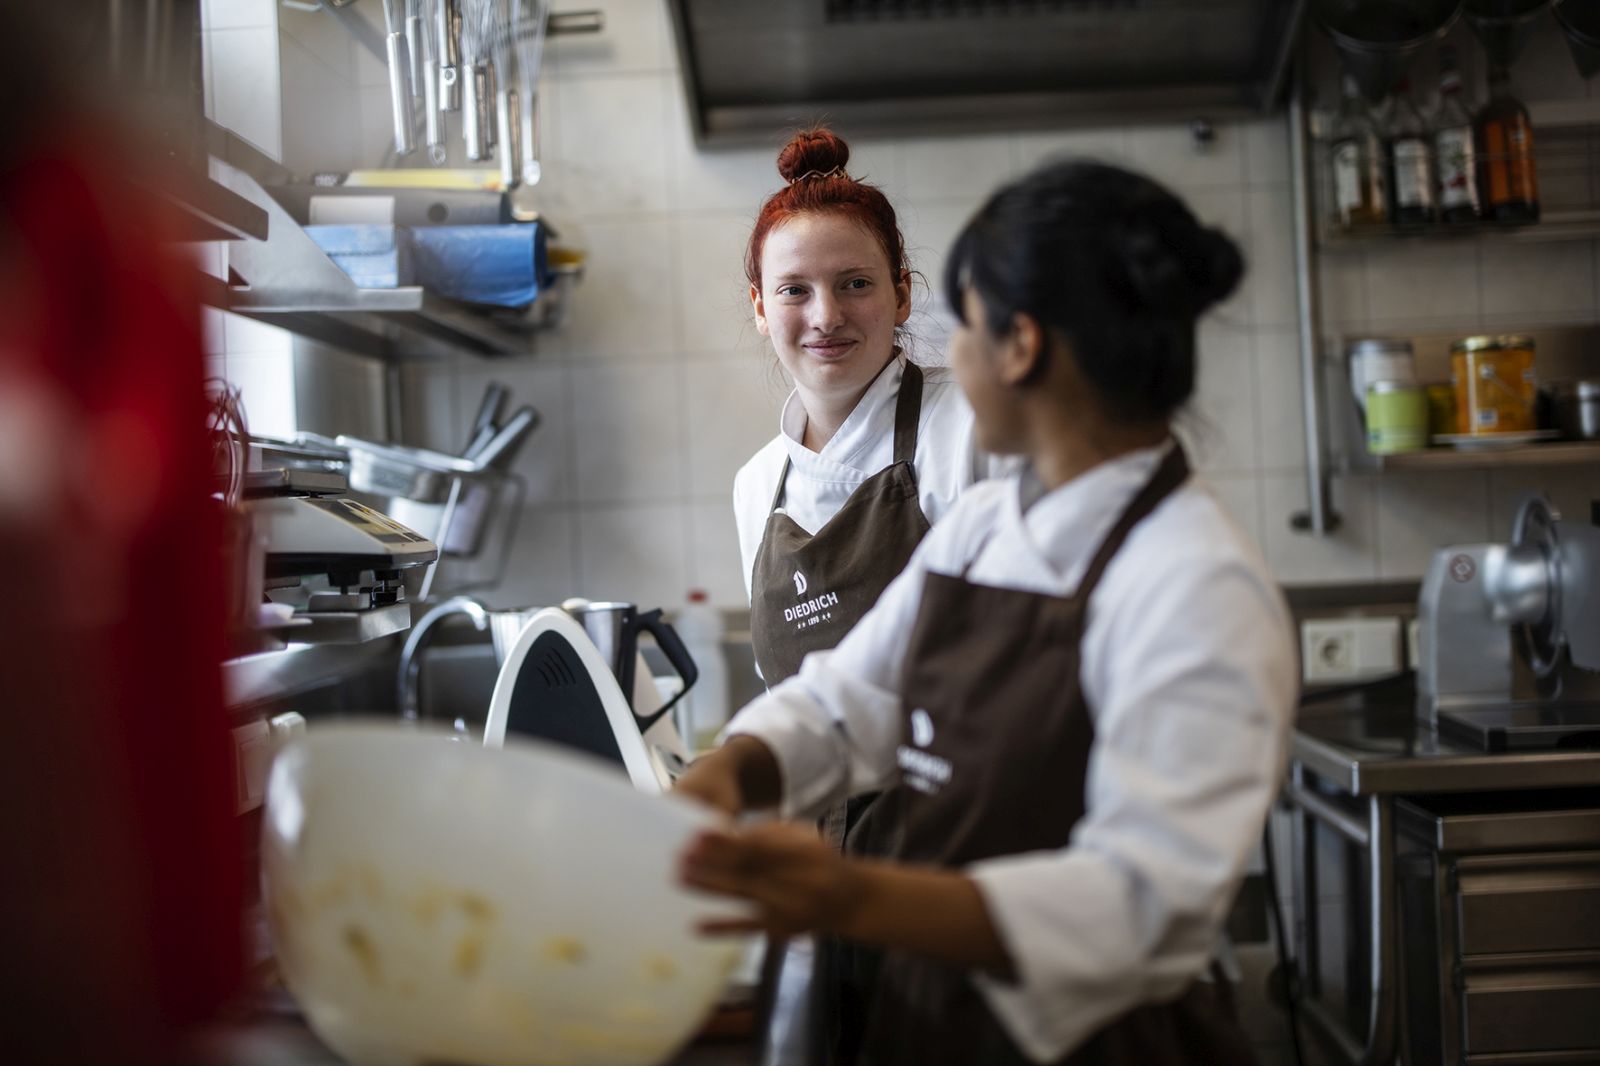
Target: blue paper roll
<point>500,265</point>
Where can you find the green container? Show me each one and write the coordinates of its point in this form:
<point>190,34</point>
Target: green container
<point>1397,417</point>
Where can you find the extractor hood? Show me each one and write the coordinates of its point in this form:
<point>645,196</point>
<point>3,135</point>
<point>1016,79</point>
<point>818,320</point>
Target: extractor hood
<point>753,68</point>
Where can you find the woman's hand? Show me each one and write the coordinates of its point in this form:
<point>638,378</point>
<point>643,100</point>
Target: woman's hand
<point>739,776</point>
<point>798,883</point>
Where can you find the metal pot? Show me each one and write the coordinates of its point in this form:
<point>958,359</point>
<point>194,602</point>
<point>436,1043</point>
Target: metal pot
<point>1376,37</point>
<point>1581,20</point>
<point>1503,26</point>
<point>1575,409</point>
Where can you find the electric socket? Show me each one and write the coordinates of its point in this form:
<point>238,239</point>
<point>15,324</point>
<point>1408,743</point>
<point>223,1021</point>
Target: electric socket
<point>1349,649</point>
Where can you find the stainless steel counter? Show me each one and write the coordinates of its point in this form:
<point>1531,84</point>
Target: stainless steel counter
<point>1352,761</point>
<point>1379,747</point>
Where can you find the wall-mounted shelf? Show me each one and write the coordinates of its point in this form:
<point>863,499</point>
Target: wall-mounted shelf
<point>1567,136</point>
<point>290,282</point>
<point>1579,226</point>
<point>1559,453</point>
<point>211,212</point>
<point>1562,353</point>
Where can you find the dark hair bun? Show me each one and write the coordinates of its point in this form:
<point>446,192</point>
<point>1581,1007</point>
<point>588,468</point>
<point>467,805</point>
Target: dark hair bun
<point>818,149</point>
<point>1179,269</point>
<point>1224,267</point>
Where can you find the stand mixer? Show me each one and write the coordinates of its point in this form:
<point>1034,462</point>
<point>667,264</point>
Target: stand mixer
<point>1509,636</point>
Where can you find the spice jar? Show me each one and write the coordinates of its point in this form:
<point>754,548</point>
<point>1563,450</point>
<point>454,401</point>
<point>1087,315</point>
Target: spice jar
<point>1495,386</point>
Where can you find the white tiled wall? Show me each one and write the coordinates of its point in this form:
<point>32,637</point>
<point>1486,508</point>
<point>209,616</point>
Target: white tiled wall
<point>660,387</point>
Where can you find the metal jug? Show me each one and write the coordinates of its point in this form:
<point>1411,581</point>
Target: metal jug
<point>615,627</point>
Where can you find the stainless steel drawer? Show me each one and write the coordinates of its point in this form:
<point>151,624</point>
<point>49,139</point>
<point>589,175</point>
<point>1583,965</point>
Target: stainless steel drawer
<point>1531,1005</point>
<point>1510,904</point>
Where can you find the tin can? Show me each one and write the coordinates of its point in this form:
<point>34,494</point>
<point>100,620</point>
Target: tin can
<point>1397,417</point>
<point>1495,387</point>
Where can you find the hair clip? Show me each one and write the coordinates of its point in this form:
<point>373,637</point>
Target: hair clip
<point>836,172</point>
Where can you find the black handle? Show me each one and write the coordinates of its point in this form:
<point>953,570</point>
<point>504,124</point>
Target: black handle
<point>671,646</point>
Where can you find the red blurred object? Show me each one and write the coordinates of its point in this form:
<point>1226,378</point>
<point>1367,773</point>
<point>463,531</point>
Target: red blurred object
<point>120,855</point>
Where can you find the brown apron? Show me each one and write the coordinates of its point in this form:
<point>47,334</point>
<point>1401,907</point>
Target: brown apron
<point>997,742</point>
<point>807,591</point>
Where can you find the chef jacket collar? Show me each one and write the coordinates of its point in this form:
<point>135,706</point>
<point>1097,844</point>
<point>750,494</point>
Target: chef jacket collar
<point>1062,528</point>
<point>848,453</point>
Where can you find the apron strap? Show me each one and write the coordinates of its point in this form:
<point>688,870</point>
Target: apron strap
<point>783,478</point>
<point>1173,471</point>
<point>907,413</point>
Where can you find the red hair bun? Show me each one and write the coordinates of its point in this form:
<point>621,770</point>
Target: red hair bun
<point>818,149</point>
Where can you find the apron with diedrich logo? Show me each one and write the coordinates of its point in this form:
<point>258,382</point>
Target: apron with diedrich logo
<point>997,738</point>
<point>807,591</point>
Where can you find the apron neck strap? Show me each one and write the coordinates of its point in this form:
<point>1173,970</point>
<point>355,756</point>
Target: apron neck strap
<point>1173,472</point>
<point>907,412</point>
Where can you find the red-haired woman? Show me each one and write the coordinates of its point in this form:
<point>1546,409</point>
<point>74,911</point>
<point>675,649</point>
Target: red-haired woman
<point>871,448</point>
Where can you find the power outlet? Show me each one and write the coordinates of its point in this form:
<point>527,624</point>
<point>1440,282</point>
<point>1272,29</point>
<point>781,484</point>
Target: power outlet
<point>1349,649</point>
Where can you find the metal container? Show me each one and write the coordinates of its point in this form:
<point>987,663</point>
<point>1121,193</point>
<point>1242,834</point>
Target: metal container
<point>1397,417</point>
<point>1377,37</point>
<point>1375,359</point>
<point>1575,408</point>
<point>1496,388</point>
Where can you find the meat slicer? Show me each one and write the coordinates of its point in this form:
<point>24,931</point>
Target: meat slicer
<point>1509,636</point>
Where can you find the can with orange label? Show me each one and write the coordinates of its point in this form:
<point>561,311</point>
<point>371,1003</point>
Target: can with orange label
<point>1494,384</point>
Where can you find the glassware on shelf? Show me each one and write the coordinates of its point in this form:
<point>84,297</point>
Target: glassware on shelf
<point>1359,185</point>
<point>1410,162</point>
<point>1505,145</point>
<point>1454,146</point>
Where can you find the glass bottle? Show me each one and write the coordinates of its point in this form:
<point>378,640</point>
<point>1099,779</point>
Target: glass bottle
<point>1410,160</point>
<point>1454,149</point>
<point>1359,193</point>
<point>1505,145</point>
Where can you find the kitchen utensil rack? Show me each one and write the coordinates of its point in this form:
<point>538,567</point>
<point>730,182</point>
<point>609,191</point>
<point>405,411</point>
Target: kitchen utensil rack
<point>290,282</point>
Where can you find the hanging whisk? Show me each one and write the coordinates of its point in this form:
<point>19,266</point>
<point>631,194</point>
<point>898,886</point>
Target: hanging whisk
<point>477,41</point>
<point>530,18</point>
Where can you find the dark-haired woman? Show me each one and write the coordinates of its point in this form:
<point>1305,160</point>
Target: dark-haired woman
<point>1077,695</point>
<point>871,449</point>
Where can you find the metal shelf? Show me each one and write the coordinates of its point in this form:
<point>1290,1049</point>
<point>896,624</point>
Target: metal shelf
<point>213,213</point>
<point>289,282</point>
<point>1576,227</point>
<point>1569,453</point>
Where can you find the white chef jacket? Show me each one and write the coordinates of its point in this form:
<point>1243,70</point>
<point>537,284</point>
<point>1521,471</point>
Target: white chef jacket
<point>947,459</point>
<point>1190,673</point>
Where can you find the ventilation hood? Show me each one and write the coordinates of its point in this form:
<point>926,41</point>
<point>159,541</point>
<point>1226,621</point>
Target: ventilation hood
<point>753,69</point>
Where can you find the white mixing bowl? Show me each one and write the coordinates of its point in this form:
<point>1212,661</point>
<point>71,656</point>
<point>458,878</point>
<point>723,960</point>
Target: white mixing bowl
<point>438,902</point>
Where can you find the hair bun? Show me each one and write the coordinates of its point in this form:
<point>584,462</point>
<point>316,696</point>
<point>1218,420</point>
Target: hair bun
<point>818,149</point>
<point>1179,274</point>
<point>1223,267</point>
